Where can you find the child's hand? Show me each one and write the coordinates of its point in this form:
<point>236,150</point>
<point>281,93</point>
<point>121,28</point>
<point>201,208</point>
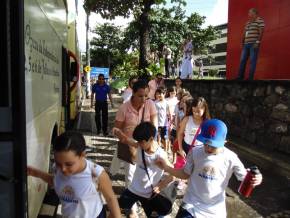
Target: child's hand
<point>182,153</point>
<point>257,179</point>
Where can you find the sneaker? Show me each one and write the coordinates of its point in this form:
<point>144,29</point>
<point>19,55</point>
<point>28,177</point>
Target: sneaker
<point>105,134</point>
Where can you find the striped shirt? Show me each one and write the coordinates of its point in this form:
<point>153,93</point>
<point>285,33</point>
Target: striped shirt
<point>252,33</point>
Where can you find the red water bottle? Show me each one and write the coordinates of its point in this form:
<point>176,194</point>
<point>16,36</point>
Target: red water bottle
<point>246,188</point>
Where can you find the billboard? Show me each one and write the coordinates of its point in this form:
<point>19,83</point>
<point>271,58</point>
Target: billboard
<point>273,60</point>
<point>95,71</point>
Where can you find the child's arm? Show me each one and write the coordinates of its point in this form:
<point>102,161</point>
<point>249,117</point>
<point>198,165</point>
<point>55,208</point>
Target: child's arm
<point>46,177</point>
<point>179,173</point>
<point>105,187</point>
<point>163,183</point>
<point>123,138</point>
<point>167,179</point>
<point>180,135</point>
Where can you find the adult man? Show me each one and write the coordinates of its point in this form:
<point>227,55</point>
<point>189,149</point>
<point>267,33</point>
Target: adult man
<point>252,37</point>
<point>100,91</point>
<point>167,56</point>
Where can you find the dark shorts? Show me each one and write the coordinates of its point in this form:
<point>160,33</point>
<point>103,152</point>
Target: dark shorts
<point>102,214</point>
<point>173,133</point>
<point>163,132</point>
<point>182,213</point>
<point>128,199</point>
<point>185,147</point>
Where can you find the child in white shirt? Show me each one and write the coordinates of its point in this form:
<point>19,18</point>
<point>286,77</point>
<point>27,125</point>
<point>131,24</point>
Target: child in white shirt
<point>208,168</point>
<point>77,181</point>
<point>163,115</point>
<point>142,188</point>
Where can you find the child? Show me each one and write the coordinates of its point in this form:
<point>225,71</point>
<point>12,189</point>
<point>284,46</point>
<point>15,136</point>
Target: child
<point>178,84</point>
<point>208,168</point>
<point>141,187</point>
<point>179,114</point>
<point>77,181</point>
<point>163,114</point>
<point>196,113</point>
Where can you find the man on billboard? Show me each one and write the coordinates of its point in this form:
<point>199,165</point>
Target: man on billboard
<point>252,37</point>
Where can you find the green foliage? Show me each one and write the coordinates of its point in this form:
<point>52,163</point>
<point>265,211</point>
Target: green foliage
<point>213,72</point>
<point>171,26</point>
<point>128,68</point>
<point>154,69</point>
<point>152,23</point>
<point>119,83</point>
<point>106,46</point>
<point>109,9</point>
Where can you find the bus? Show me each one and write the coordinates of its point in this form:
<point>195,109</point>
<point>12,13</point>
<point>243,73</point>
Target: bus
<point>40,95</point>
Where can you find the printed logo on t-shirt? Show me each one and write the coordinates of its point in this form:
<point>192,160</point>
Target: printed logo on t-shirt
<point>208,173</point>
<point>68,194</point>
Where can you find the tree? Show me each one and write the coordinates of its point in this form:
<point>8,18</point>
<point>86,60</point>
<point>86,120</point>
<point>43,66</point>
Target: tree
<point>141,9</point>
<point>106,46</point>
<point>171,26</point>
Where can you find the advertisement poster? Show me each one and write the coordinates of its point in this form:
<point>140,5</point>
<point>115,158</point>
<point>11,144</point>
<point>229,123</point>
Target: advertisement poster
<point>95,71</point>
<point>269,56</point>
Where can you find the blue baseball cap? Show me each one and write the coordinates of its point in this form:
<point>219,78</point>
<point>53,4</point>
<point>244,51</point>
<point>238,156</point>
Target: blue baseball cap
<point>213,133</point>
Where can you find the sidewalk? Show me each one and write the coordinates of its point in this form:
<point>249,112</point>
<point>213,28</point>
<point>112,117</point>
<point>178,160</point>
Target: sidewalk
<point>101,150</point>
<point>270,200</point>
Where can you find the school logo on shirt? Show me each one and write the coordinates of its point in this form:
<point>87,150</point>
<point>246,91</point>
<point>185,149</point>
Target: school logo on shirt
<point>68,195</point>
<point>208,173</point>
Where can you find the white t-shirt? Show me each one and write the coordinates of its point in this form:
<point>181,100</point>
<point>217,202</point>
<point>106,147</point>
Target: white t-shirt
<point>127,94</point>
<point>209,177</point>
<point>179,114</point>
<point>190,132</point>
<point>141,185</point>
<point>162,110</point>
<point>78,193</point>
<point>172,102</point>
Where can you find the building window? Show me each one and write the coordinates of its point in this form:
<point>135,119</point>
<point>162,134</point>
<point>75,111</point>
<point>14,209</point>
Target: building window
<point>220,48</point>
<point>220,60</point>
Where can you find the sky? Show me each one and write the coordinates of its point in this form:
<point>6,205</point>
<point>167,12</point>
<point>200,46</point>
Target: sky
<point>215,11</point>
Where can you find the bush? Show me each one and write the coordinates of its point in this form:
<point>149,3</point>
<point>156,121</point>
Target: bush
<point>213,72</point>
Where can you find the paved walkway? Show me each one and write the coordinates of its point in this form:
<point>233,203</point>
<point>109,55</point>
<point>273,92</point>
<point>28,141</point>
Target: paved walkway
<point>101,149</point>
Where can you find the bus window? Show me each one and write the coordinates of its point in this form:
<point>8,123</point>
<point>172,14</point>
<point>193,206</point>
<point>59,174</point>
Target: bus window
<point>73,72</point>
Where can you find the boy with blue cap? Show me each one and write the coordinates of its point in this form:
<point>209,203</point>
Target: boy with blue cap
<point>208,168</point>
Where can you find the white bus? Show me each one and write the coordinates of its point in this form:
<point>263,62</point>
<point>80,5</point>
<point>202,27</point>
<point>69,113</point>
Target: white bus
<point>39,84</point>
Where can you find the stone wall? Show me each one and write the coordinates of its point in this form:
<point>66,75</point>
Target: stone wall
<point>258,112</point>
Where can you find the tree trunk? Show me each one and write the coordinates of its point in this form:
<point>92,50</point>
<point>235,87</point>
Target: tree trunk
<point>144,35</point>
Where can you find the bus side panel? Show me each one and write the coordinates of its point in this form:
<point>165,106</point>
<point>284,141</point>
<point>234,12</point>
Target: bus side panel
<point>45,22</point>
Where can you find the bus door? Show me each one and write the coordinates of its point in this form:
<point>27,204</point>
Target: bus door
<point>13,188</point>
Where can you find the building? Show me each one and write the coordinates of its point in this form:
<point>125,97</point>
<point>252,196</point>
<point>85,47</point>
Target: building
<point>216,57</point>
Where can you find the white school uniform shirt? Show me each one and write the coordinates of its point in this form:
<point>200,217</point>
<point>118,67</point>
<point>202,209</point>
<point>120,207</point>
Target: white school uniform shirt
<point>190,132</point>
<point>127,94</point>
<point>141,185</point>
<point>209,177</point>
<point>172,102</point>
<point>162,109</point>
<point>78,193</point>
